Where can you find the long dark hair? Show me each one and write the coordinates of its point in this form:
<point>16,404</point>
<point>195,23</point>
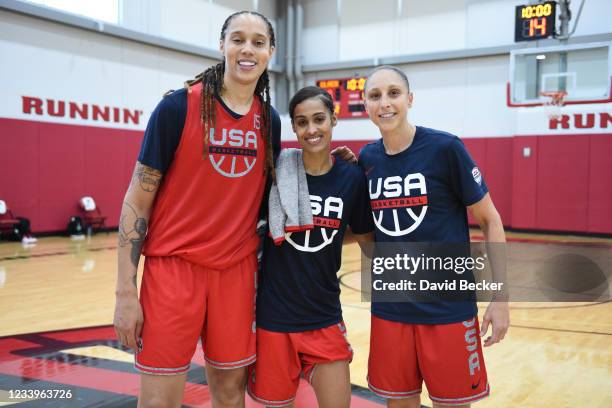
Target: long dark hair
<point>212,84</point>
<point>309,92</point>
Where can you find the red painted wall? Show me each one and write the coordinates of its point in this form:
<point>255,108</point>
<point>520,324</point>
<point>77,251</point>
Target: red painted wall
<point>564,185</point>
<point>494,159</point>
<point>599,210</point>
<point>524,182</point>
<point>499,165</point>
<point>478,150</point>
<point>46,168</point>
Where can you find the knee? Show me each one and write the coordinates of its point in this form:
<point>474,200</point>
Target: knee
<point>161,391</point>
<point>227,387</point>
<point>228,398</point>
<point>228,394</point>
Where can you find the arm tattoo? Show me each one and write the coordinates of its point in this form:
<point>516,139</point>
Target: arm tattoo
<point>140,226</point>
<point>147,177</point>
<point>132,231</point>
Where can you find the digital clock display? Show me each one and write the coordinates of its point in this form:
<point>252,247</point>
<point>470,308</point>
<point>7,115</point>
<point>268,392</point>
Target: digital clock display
<point>347,94</point>
<point>535,21</point>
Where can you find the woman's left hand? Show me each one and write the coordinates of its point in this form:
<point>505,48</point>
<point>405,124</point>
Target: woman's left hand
<point>498,316</point>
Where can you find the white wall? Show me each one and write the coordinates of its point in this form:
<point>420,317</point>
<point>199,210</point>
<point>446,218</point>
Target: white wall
<point>366,29</point>
<point>595,18</point>
<point>320,39</point>
<point>466,97</point>
<point>489,23</point>
<point>369,29</point>
<point>430,26</point>
<point>50,60</point>
<point>196,22</point>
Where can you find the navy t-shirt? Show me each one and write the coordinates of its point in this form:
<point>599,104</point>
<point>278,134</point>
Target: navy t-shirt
<point>165,128</point>
<point>420,195</point>
<point>298,288</point>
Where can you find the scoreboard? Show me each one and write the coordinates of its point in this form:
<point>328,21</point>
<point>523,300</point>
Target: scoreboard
<point>535,21</point>
<point>348,96</point>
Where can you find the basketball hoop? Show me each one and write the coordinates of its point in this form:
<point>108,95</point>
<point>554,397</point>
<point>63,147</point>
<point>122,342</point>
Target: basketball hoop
<point>555,102</point>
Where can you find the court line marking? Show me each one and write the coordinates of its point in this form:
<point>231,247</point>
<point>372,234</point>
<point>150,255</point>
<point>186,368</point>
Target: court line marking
<point>476,238</point>
<point>594,244</point>
<point>560,330</point>
<point>43,254</point>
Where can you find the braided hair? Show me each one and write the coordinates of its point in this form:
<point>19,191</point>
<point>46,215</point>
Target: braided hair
<point>212,85</point>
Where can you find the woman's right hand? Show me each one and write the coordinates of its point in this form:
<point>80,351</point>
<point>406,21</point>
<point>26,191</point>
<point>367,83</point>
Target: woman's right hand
<point>128,321</point>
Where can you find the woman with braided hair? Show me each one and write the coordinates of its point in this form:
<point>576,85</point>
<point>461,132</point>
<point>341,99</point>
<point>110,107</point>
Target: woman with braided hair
<point>191,209</point>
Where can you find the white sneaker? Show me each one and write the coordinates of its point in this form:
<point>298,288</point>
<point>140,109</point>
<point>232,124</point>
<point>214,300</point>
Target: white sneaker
<point>29,240</point>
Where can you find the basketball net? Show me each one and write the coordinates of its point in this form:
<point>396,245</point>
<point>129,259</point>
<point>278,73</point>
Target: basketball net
<point>553,106</point>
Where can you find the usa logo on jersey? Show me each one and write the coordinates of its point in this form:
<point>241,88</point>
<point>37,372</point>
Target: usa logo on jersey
<point>391,196</point>
<point>327,215</point>
<point>233,152</point>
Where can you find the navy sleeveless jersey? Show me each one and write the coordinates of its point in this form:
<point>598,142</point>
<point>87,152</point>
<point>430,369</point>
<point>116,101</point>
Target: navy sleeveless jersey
<point>420,195</point>
<point>298,288</point>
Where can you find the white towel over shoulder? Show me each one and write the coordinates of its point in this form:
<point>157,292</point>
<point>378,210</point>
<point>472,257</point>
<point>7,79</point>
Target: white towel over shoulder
<point>289,207</point>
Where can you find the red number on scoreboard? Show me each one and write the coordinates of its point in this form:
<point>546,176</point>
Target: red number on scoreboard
<point>537,24</point>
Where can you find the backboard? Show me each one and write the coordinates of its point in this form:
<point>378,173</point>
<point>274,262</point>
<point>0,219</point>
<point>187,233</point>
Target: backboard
<point>582,71</point>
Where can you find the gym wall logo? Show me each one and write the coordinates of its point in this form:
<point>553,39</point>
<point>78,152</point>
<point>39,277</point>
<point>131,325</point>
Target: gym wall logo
<point>323,223</point>
<point>397,193</point>
<point>31,105</point>
<point>599,120</point>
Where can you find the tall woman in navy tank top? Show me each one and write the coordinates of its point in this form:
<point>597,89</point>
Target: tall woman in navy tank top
<point>300,331</point>
<point>432,180</point>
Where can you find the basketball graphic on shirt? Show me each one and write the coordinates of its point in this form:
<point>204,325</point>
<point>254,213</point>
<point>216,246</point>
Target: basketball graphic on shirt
<point>327,215</point>
<point>233,152</point>
<point>392,196</point>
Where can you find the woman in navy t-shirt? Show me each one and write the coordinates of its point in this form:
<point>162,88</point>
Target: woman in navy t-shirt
<point>300,331</point>
<point>420,182</point>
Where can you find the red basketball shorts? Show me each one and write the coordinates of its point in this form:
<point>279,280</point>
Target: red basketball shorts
<point>183,302</point>
<point>448,357</point>
<point>283,357</point>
